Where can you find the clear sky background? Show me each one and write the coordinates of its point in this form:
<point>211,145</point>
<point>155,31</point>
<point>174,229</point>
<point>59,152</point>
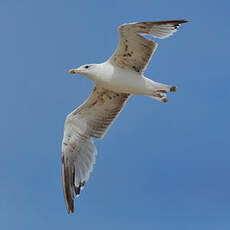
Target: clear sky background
<point>160,166</point>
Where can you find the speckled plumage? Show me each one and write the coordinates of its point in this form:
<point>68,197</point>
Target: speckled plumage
<point>115,80</point>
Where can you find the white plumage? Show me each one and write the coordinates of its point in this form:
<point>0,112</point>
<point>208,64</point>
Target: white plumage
<point>115,80</point>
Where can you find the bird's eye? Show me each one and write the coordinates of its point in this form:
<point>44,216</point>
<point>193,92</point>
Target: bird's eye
<point>87,66</point>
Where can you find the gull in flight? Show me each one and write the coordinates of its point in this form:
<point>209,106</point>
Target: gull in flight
<point>115,81</point>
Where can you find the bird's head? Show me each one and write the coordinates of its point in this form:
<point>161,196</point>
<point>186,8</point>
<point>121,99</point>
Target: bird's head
<point>87,70</point>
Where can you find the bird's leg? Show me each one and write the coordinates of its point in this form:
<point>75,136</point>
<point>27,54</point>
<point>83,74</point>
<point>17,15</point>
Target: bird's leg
<point>160,91</point>
<point>160,97</point>
<point>163,88</point>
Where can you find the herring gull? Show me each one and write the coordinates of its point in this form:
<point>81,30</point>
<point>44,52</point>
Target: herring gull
<point>115,81</point>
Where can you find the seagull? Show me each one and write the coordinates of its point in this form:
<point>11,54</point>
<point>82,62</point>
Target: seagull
<point>115,81</point>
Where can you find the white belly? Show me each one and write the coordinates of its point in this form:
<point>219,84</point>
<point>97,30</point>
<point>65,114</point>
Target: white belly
<point>122,80</point>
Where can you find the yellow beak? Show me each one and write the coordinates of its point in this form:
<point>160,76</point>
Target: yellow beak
<point>72,71</point>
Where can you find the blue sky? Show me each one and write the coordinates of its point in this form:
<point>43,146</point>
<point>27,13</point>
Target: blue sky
<point>160,166</point>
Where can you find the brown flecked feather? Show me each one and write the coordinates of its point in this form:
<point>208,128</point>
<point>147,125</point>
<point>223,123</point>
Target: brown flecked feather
<point>134,51</point>
<point>95,116</point>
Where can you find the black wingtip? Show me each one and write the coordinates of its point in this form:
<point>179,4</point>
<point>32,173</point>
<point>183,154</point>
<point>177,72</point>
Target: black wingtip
<point>70,206</point>
<point>67,178</point>
<point>183,21</point>
<point>178,22</point>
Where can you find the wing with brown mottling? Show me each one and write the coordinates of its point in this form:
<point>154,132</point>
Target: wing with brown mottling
<point>91,119</point>
<point>134,51</point>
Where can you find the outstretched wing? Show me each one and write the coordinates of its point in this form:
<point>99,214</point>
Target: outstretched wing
<point>134,51</point>
<point>91,119</point>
